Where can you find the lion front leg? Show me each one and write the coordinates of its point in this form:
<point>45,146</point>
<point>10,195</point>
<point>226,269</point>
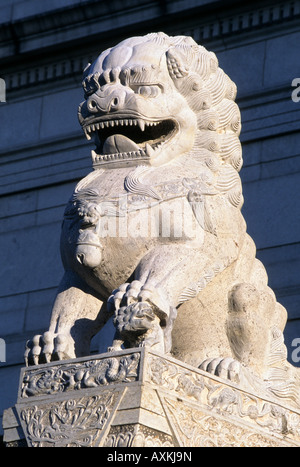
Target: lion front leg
<point>159,279</point>
<point>78,314</point>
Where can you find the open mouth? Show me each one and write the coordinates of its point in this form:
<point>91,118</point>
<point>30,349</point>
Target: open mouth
<point>123,138</point>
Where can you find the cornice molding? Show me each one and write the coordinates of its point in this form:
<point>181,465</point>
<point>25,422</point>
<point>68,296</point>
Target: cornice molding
<point>218,18</point>
<point>214,27</point>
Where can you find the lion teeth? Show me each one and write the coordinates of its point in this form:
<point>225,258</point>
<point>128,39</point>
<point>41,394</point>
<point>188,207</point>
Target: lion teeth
<point>149,150</point>
<point>141,124</point>
<point>118,122</point>
<point>88,137</point>
<point>94,156</point>
<point>106,158</point>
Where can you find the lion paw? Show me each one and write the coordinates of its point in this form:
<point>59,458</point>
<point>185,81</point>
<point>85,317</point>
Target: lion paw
<point>130,293</point>
<point>226,368</point>
<point>125,295</point>
<point>49,347</point>
<point>141,311</point>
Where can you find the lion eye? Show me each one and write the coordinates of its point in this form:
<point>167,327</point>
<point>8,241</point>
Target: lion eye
<point>148,91</point>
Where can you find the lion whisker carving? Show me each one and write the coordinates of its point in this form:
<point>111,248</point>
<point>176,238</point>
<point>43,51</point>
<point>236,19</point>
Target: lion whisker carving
<point>165,125</point>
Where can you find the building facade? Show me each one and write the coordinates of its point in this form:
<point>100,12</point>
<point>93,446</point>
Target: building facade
<point>44,48</point>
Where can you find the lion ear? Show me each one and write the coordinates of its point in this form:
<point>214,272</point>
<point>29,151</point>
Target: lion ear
<point>176,63</point>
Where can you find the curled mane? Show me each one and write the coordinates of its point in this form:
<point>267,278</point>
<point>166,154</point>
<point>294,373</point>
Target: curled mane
<point>210,93</point>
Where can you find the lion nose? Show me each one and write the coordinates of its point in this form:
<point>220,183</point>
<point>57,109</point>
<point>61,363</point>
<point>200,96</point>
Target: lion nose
<point>108,101</point>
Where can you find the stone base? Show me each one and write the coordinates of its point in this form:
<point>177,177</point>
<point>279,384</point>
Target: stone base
<point>138,398</point>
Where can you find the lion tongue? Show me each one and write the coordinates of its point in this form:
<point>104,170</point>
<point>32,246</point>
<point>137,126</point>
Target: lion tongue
<point>119,143</point>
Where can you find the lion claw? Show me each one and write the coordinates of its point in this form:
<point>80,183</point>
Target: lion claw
<point>49,347</point>
<point>227,368</point>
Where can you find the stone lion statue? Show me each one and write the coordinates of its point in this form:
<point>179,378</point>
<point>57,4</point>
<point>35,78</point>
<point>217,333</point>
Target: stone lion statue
<point>154,235</point>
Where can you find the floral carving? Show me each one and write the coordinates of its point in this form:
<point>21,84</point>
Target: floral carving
<point>74,422</point>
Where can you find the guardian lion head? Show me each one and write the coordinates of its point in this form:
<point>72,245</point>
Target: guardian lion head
<point>157,99</point>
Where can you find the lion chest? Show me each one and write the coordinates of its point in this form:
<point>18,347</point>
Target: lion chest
<point>111,223</point>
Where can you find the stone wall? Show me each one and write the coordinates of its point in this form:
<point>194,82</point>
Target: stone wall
<point>44,48</point>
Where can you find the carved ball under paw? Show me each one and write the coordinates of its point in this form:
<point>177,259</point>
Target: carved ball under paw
<point>226,368</point>
<point>137,317</point>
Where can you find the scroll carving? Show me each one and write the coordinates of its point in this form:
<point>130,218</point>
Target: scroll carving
<point>76,376</point>
<point>70,423</point>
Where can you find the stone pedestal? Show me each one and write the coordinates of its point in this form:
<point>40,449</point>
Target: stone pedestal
<point>138,398</point>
